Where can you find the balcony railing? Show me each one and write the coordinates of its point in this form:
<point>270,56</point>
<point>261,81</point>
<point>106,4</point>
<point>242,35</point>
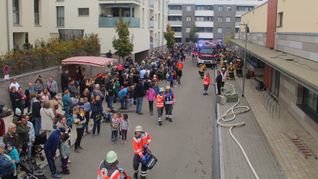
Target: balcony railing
<point>175,23</point>
<point>113,1</point>
<point>175,12</point>
<point>112,21</point>
<point>151,24</point>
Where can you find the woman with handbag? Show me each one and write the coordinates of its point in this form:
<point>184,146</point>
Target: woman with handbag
<point>47,118</point>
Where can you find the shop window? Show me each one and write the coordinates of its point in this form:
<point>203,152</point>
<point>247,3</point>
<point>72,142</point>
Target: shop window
<point>280,19</point>
<point>309,103</point>
<point>275,83</point>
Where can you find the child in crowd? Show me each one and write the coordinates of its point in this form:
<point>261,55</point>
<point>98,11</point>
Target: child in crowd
<point>151,95</point>
<point>124,125</point>
<point>87,110</point>
<point>65,153</point>
<point>14,154</point>
<point>115,126</point>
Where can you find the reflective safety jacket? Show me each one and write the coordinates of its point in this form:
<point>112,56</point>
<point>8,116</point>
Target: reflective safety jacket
<point>169,98</point>
<point>106,171</point>
<point>160,101</point>
<point>140,142</point>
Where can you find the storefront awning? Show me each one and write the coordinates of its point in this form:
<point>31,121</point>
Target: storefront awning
<point>304,71</point>
<point>89,60</point>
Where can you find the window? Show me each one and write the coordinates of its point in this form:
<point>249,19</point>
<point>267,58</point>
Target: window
<point>16,12</point>
<point>204,29</point>
<point>188,30</point>
<point>237,19</point>
<point>310,103</point>
<point>204,18</point>
<point>60,16</point>
<point>219,30</point>
<point>275,83</point>
<point>237,30</point>
<point>244,8</point>
<point>227,19</point>
<point>203,7</point>
<point>176,29</point>
<point>174,7</point>
<point>220,19</point>
<point>228,8</point>
<point>188,8</point>
<point>280,19</point>
<point>220,8</point>
<point>83,11</point>
<point>174,18</point>
<point>36,12</point>
<point>227,30</point>
<point>188,18</point>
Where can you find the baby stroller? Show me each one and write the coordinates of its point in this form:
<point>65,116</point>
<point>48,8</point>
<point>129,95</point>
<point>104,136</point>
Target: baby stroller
<point>37,147</point>
<point>33,171</point>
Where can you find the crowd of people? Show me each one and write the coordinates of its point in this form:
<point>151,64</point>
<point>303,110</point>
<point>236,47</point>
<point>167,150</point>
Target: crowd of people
<point>36,113</point>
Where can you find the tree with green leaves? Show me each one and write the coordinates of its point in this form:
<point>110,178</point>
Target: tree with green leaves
<point>169,36</point>
<point>193,34</point>
<point>122,45</point>
<point>228,39</point>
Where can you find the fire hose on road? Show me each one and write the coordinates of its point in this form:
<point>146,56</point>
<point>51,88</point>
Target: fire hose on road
<point>229,116</point>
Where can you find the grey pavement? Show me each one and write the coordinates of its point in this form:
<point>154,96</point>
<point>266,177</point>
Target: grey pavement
<point>183,147</point>
<point>253,141</point>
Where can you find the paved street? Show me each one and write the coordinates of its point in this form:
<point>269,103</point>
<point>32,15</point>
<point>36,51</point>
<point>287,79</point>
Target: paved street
<point>184,147</point>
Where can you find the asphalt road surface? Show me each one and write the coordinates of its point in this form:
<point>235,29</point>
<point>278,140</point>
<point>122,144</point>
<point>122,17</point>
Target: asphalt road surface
<point>183,147</point>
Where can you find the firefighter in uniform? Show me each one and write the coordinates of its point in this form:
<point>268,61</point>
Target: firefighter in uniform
<point>141,142</point>
<point>108,168</point>
<point>169,102</point>
<point>160,104</point>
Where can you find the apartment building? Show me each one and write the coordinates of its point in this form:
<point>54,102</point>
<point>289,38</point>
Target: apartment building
<point>284,48</point>
<point>25,21</point>
<point>214,19</point>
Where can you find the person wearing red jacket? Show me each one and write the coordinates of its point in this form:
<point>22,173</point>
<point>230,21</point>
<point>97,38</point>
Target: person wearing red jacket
<point>206,83</point>
<point>141,142</point>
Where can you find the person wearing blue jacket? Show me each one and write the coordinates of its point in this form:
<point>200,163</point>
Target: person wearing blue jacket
<point>123,95</point>
<point>67,103</point>
<point>50,147</point>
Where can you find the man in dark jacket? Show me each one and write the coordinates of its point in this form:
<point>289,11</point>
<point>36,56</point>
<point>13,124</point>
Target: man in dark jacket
<point>36,107</point>
<point>139,94</point>
<point>50,147</point>
<point>219,82</point>
<point>64,80</point>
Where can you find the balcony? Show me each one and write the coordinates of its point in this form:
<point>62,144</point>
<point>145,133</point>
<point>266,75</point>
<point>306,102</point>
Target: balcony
<point>175,12</point>
<point>112,21</point>
<point>204,23</point>
<point>151,24</point>
<point>205,35</point>
<point>178,34</point>
<point>204,13</point>
<point>175,23</point>
<point>151,44</point>
<point>237,24</point>
<point>120,1</point>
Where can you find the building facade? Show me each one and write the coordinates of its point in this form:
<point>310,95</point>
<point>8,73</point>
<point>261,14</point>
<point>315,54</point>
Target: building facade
<point>26,21</point>
<point>287,47</point>
<point>213,19</point>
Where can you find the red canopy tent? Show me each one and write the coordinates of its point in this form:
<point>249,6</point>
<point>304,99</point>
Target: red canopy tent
<point>89,60</point>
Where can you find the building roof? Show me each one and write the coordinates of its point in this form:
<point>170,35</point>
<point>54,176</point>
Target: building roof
<point>304,71</point>
<point>213,2</point>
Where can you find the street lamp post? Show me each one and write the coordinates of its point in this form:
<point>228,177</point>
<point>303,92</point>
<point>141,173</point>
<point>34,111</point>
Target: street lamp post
<point>245,54</point>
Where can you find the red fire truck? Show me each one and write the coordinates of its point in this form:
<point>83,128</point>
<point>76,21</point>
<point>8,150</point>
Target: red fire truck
<point>205,53</point>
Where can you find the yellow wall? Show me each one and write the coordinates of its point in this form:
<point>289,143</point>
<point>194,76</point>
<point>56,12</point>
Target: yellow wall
<point>298,16</point>
<point>256,19</point>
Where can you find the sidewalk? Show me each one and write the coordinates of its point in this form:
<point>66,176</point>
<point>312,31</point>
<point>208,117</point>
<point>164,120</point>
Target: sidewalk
<point>277,131</point>
<point>253,140</point>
